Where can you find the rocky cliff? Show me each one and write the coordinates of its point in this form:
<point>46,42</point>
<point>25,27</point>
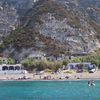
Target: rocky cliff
<point>52,26</point>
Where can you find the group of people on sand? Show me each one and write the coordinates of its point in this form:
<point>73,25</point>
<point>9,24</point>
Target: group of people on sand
<point>91,83</point>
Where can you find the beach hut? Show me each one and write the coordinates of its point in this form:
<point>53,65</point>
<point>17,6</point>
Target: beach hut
<point>12,69</point>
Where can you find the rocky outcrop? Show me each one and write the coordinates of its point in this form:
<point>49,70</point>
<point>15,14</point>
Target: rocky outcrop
<point>8,19</point>
<point>56,26</point>
<point>70,25</point>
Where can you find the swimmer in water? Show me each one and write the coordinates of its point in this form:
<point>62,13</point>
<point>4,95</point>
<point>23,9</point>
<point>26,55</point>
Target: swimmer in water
<point>91,83</point>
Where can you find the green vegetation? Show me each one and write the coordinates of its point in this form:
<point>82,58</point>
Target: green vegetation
<point>94,58</point>
<point>10,61</point>
<point>31,64</point>
<point>20,38</point>
<point>29,38</point>
<point>7,61</point>
<point>51,66</point>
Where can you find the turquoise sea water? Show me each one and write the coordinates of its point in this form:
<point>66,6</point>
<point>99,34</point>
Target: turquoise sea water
<point>64,90</point>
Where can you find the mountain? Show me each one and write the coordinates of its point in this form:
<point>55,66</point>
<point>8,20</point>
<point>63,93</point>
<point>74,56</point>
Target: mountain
<point>51,26</point>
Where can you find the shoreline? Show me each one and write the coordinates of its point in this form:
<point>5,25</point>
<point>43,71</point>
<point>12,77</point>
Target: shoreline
<point>51,77</point>
<point>42,80</point>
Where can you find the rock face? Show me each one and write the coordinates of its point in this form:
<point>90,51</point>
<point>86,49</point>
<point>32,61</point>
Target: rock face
<point>20,5</point>
<point>78,39</point>
<point>68,25</point>
<point>71,24</point>
<point>8,19</point>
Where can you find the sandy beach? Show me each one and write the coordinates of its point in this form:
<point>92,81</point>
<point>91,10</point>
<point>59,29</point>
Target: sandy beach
<point>49,76</point>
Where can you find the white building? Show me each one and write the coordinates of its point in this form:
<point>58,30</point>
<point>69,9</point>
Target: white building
<point>12,69</point>
<point>86,65</point>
